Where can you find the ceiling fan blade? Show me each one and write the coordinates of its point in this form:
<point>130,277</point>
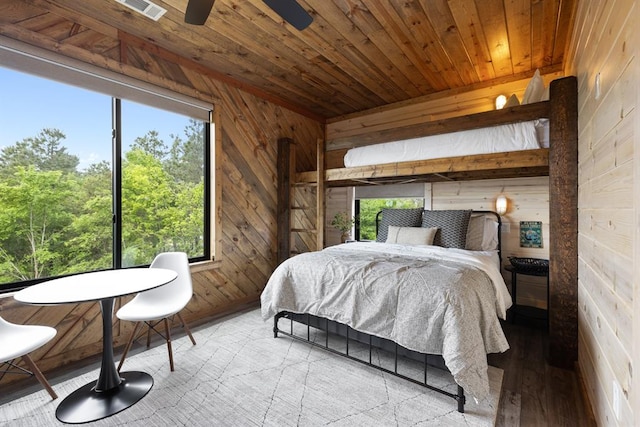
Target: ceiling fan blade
<point>291,12</point>
<point>198,11</point>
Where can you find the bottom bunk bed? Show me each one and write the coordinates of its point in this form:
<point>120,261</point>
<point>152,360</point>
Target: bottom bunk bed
<point>404,295</point>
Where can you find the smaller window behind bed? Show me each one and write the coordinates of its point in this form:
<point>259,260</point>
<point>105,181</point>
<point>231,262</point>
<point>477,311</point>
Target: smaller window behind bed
<point>398,218</point>
<point>368,203</point>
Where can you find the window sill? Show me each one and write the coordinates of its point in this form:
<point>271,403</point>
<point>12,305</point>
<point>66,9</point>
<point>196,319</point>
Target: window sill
<point>205,265</point>
<point>194,267</point>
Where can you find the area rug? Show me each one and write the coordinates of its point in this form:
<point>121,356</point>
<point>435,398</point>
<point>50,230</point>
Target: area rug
<point>239,375</point>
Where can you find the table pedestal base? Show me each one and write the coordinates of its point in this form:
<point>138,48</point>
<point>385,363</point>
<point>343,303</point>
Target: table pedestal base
<point>85,404</point>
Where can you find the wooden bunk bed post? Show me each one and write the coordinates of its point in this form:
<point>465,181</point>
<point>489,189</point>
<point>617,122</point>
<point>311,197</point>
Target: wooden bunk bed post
<point>320,195</point>
<point>563,223</point>
<point>284,163</point>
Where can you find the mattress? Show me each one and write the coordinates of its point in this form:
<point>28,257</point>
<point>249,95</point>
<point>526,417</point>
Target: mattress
<point>496,139</point>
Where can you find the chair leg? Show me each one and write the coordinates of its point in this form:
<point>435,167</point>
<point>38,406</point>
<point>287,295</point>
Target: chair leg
<point>39,376</point>
<point>186,328</point>
<point>148,334</point>
<point>168,332</point>
<point>128,346</point>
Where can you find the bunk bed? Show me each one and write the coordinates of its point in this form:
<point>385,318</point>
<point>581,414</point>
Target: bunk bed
<point>559,162</point>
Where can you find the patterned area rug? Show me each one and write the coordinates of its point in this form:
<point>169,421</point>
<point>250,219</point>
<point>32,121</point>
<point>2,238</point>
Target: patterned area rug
<point>239,375</point>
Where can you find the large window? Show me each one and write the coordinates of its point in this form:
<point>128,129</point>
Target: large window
<point>163,186</point>
<point>90,181</point>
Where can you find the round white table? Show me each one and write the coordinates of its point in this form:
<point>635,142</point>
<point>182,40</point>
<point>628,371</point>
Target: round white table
<point>113,391</point>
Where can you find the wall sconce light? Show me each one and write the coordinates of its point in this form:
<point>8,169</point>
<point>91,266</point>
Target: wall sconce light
<point>501,101</point>
<point>501,204</point>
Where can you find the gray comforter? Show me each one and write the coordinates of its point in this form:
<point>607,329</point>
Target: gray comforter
<point>428,299</point>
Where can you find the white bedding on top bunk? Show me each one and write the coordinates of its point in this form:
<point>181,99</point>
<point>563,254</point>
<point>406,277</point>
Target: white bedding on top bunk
<point>510,137</point>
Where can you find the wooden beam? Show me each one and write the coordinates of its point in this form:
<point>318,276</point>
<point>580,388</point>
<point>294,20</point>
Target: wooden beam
<point>284,198</point>
<point>563,224</point>
<point>320,195</point>
<point>513,160</point>
<point>216,178</point>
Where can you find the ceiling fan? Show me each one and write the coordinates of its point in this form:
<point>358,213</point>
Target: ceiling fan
<point>198,11</point>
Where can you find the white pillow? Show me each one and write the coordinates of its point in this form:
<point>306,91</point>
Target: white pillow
<point>545,94</point>
<point>411,235</point>
<point>475,232</point>
<point>490,238</point>
<point>482,234</point>
<point>512,101</point>
<point>542,132</point>
<point>535,89</point>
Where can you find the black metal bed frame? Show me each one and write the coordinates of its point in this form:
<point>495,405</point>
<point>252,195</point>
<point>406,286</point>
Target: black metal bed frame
<point>306,319</point>
<point>428,359</point>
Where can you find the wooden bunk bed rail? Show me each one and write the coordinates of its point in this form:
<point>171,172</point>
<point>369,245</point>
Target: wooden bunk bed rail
<point>480,166</point>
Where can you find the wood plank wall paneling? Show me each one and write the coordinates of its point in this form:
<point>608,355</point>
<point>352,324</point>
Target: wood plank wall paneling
<point>606,41</point>
<point>337,199</point>
<point>246,133</point>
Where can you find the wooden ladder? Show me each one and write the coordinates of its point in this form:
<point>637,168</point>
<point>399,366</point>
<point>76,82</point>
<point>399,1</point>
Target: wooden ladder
<point>300,204</point>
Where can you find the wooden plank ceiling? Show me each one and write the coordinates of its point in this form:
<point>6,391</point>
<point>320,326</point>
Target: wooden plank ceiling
<point>356,55</point>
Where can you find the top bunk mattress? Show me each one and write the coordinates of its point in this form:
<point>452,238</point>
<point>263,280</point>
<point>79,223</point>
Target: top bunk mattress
<point>510,137</point>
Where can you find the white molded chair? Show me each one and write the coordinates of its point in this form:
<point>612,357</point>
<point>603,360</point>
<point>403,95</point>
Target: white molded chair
<point>19,341</point>
<point>158,305</point>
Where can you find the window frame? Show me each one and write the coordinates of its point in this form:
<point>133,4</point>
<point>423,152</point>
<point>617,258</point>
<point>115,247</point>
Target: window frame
<point>389,192</point>
<point>26,59</point>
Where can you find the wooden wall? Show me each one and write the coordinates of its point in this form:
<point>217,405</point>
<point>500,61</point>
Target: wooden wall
<point>606,41</point>
<point>337,199</point>
<point>247,129</point>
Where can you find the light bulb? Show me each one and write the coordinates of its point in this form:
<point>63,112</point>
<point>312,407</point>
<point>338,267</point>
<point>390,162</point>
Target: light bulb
<point>501,205</point>
<point>501,101</point>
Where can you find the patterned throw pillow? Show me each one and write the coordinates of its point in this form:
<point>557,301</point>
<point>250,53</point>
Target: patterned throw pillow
<point>453,226</point>
<point>399,218</point>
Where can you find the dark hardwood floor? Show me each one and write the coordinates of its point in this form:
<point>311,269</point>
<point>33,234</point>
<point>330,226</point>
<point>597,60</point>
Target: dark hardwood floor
<point>533,392</point>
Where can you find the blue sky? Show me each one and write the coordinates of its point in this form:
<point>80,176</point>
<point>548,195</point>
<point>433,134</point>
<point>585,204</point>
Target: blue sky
<point>29,104</point>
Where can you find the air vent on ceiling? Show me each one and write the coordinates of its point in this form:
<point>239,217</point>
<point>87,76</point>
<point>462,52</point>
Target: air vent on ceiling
<point>148,9</point>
